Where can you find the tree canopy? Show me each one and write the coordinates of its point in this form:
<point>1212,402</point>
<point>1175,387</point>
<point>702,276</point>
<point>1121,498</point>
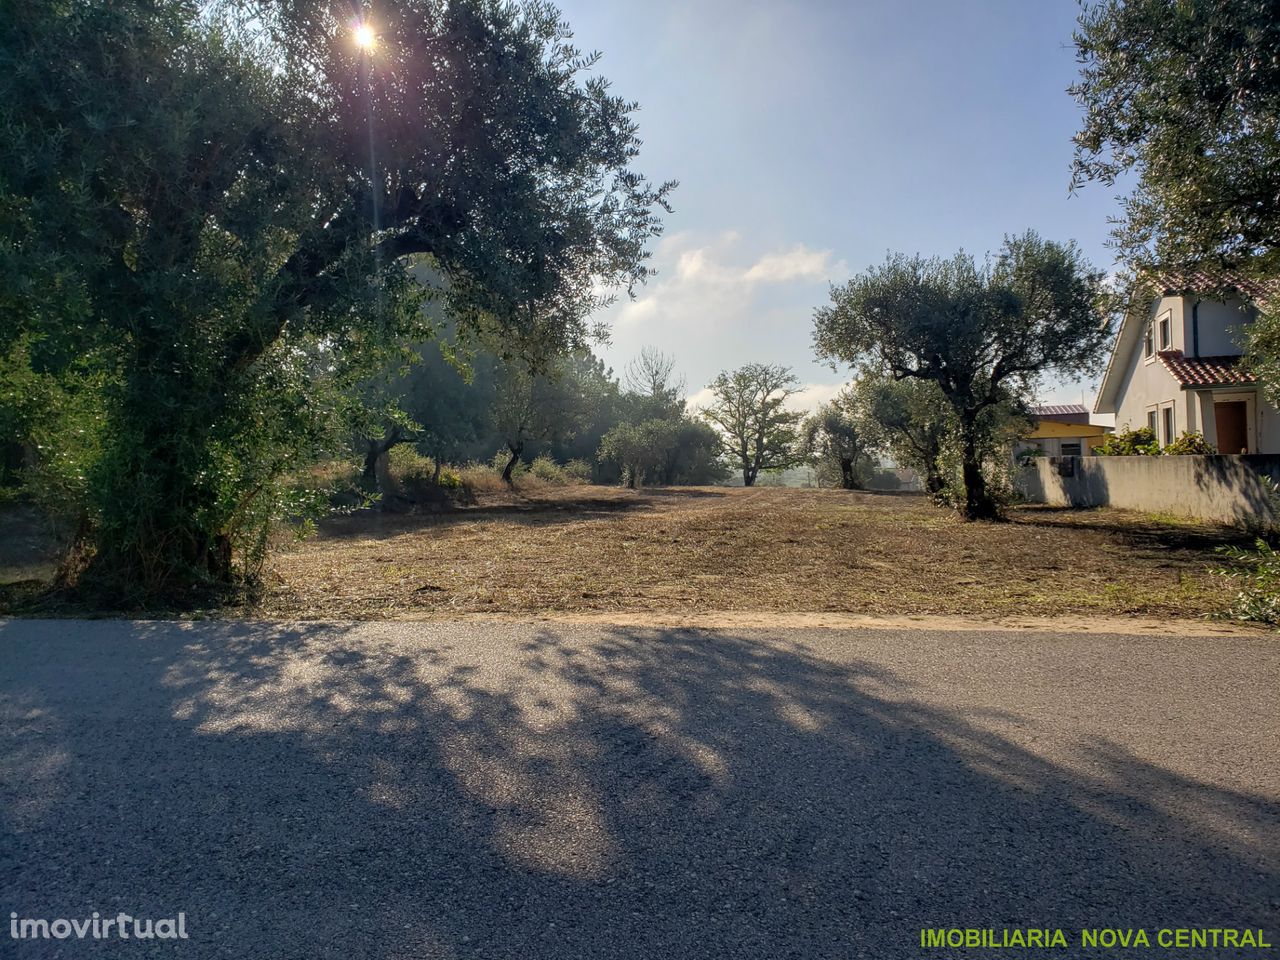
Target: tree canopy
<point>213,207</point>
<point>1187,96</point>
<point>985,333</point>
<point>748,409</point>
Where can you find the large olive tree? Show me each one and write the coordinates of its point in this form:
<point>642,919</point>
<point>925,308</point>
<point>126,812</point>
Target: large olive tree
<point>216,203</point>
<point>985,333</point>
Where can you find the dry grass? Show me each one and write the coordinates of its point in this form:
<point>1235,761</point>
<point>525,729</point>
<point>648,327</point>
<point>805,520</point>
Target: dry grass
<point>585,549</point>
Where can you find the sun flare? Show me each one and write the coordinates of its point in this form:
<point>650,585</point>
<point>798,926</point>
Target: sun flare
<point>365,37</point>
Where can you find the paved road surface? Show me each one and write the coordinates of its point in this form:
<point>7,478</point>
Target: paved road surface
<point>417,790</point>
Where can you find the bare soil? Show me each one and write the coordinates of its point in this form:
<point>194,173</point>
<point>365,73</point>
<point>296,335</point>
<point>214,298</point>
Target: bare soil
<point>594,552</point>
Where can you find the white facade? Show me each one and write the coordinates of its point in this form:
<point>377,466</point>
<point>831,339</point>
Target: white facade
<point>1171,369</point>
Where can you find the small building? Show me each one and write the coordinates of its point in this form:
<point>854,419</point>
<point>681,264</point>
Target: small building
<point>1176,365</point>
<point>1063,430</point>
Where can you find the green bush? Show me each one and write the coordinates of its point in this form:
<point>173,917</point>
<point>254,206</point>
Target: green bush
<point>1190,443</point>
<point>548,471</point>
<point>1130,443</point>
<point>1257,571</point>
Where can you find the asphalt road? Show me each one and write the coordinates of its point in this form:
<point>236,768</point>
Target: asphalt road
<point>431,790</point>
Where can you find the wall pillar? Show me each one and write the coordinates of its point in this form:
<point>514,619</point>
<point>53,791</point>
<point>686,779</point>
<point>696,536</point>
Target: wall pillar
<point>1208,425</point>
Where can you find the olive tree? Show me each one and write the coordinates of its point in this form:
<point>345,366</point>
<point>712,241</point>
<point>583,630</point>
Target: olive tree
<point>834,440</point>
<point>217,203</point>
<point>985,333</point>
<point>549,403</point>
<point>912,420</point>
<point>748,409</point>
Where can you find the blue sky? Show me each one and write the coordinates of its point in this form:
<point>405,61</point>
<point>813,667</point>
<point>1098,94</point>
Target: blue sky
<point>811,137</point>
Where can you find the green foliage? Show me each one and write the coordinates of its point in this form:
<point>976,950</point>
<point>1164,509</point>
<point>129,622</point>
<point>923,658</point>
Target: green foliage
<point>748,410</point>
<point>1257,573</point>
<point>1262,343</point>
<point>638,449</point>
<point>837,446</point>
<point>1187,95</point>
<point>1191,443</point>
<point>1141,442</point>
<point>984,334</point>
<point>551,404</point>
<point>548,471</point>
<point>206,212</point>
<point>911,419</point>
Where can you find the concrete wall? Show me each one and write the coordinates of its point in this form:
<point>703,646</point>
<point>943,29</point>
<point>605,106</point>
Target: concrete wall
<point>1224,489</point>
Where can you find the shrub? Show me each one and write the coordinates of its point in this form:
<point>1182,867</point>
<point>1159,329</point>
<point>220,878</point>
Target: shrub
<point>1257,571</point>
<point>1130,443</point>
<point>481,478</point>
<point>1190,443</point>
<point>547,470</point>
<point>407,466</point>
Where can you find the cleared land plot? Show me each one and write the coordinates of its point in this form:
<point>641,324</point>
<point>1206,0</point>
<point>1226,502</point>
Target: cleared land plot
<point>593,549</point>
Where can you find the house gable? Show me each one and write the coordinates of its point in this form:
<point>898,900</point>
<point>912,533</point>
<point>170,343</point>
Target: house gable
<point>1127,353</point>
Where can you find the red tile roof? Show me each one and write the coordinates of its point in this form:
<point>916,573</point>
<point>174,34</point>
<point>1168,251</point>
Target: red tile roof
<point>1205,371</point>
<point>1258,292</point>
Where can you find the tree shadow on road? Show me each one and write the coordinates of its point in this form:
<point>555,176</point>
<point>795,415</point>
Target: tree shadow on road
<point>302,791</point>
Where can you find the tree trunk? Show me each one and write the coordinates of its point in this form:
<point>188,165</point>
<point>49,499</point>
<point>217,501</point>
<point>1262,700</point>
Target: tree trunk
<point>846,474</point>
<point>748,477</point>
<point>378,450</point>
<point>978,503</point>
<point>516,450</point>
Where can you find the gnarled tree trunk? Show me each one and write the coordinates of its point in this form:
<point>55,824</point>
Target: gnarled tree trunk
<point>516,449</point>
<point>978,502</point>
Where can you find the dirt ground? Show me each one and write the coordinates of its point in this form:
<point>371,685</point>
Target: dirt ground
<point>591,551</point>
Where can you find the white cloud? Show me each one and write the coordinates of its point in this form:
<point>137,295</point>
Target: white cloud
<point>698,400</point>
<point>717,301</point>
<point>701,282</point>
<point>798,263</point>
<point>813,395</point>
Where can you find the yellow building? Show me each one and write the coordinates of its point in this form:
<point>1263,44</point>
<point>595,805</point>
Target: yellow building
<point>1064,430</point>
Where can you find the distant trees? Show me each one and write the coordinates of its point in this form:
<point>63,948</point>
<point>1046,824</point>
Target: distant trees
<point>748,409</point>
<point>984,334</point>
<point>550,404</point>
<point>639,449</point>
<point>837,444</point>
<point>655,440</point>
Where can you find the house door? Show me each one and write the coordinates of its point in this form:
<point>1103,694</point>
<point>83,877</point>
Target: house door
<point>1232,419</point>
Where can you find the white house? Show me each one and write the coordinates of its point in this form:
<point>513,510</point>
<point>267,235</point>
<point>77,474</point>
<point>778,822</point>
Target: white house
<point>1176,365</point>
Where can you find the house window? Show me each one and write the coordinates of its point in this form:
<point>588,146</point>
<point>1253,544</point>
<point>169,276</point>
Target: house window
<point>1149,344</point>
<point>1166,331</point>
<point>1167,414</point>
<point>1071,448</point>
<point>1151,424</point>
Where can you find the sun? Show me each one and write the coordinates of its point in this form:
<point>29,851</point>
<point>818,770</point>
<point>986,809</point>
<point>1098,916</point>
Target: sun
<point>365,37</point>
